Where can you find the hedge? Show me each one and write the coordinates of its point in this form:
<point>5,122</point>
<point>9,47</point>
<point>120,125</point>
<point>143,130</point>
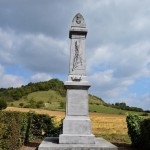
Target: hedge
<point>139,131</point>
<point>145,134</point>
<point>17,128</point>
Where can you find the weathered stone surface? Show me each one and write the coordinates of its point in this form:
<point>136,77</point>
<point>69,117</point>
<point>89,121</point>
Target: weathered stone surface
<point>76,139</point>
<point>53,144</point>
<point>77,102</point>
<point>77,125</point>
<point>77,35</point>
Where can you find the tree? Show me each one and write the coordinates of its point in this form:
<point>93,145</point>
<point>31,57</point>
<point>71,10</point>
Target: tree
<point>62,104</point>
<point>21,104</point>
<point>40,104</point>
<point>3,104</point>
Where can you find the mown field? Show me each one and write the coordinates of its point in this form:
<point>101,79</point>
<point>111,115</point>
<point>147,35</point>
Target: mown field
<point>112,127</point>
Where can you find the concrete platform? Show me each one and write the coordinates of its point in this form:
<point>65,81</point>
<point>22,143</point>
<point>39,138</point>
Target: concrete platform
<point>52,143</point>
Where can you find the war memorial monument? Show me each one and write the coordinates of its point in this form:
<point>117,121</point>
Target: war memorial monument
<point>77,134</point>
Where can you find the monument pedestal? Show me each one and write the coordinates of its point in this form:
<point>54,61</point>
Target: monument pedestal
<point>52,143</point>
<point>77,124</point>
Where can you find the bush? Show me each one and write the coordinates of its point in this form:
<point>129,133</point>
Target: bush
<point>13,127</point>
<point>145,134</point>
<point>139,131</point>
<point>145,114</point>
<point>21,104</point>
<point>41,125</point>
<point>134,131</point>
<point>39,104</point>
<point>3,104</point>
<point>17,128</point>
<point>62,104</point>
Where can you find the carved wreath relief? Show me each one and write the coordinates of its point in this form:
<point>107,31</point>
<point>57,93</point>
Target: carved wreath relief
<point>78,19</point>
<point>77,60</point>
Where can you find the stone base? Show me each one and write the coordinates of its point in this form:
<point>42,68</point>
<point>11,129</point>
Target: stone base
<point>76,139</point>
<point>52,143</point>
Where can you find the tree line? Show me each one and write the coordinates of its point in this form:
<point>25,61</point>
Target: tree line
<point>123,106</point>
<point>12,94</point>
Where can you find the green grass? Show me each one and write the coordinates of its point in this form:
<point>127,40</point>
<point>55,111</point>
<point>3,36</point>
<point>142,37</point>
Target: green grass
<point>53,101</point>
<point>109,110</point>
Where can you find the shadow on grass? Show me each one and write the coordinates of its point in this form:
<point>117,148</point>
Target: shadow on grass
<point>124,146</point>
<point>32,145</point>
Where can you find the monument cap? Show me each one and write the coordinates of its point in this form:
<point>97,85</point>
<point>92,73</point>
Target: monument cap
<point>78,26</point>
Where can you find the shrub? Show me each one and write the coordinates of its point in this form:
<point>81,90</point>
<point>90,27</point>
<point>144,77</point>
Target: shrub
<point>41,125</point>
<point>26,106</point>
<point>39,104</point>
<point>11,104</point>
<point>145,134</point>
<point>134,131</point>
<point>145,114</point>
<point>3,104</point>
<point>21,104</point>
<point>12,130</point>
<point>62,104</point>
<point>17,128</point>
<point>139,131</point>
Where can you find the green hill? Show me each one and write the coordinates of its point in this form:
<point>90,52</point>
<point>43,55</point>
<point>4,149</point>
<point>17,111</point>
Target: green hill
<point>51,100</point>
<point>50,95</point>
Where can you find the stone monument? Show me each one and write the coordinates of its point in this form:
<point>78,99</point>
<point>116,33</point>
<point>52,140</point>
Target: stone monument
<point>77,125</point>
<point>77,133</point>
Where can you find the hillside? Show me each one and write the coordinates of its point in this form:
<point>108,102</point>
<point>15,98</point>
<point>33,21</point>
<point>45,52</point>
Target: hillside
<point>51,100</point>
<point>50,95</point>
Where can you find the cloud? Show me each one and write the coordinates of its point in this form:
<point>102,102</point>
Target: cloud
<point>35,37</point>
<point>115,21</point>
<point>40,77</point>
<point>136,100</point>
<point>113,69</point>
<point>8,80</point>
<point>39,17</point>
<point>36,52</point>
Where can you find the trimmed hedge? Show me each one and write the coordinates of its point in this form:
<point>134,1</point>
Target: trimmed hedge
<point>17,128</point>
<point>145,134</point>
<point>139,131</point>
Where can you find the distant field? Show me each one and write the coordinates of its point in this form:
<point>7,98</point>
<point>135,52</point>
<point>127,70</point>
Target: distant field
<point>111,127</point>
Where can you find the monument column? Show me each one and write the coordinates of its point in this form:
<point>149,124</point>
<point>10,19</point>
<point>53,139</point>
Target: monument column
<point>77,125</point>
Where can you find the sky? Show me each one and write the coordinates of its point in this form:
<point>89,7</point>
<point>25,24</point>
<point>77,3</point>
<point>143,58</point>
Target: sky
<point>35,45</point>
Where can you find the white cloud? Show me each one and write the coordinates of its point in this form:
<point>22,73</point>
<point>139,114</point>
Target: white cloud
<point>40,77</point>
<point>8,80</point>
<point>117,44</point>
<point>113,69</point>
<point>136,100</point>
<point>36,52</point>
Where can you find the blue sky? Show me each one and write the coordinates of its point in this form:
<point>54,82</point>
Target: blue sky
<point>34,45</point>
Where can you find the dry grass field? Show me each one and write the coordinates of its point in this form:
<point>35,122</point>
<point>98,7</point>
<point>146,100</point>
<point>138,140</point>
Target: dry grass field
<point>110,126</point>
